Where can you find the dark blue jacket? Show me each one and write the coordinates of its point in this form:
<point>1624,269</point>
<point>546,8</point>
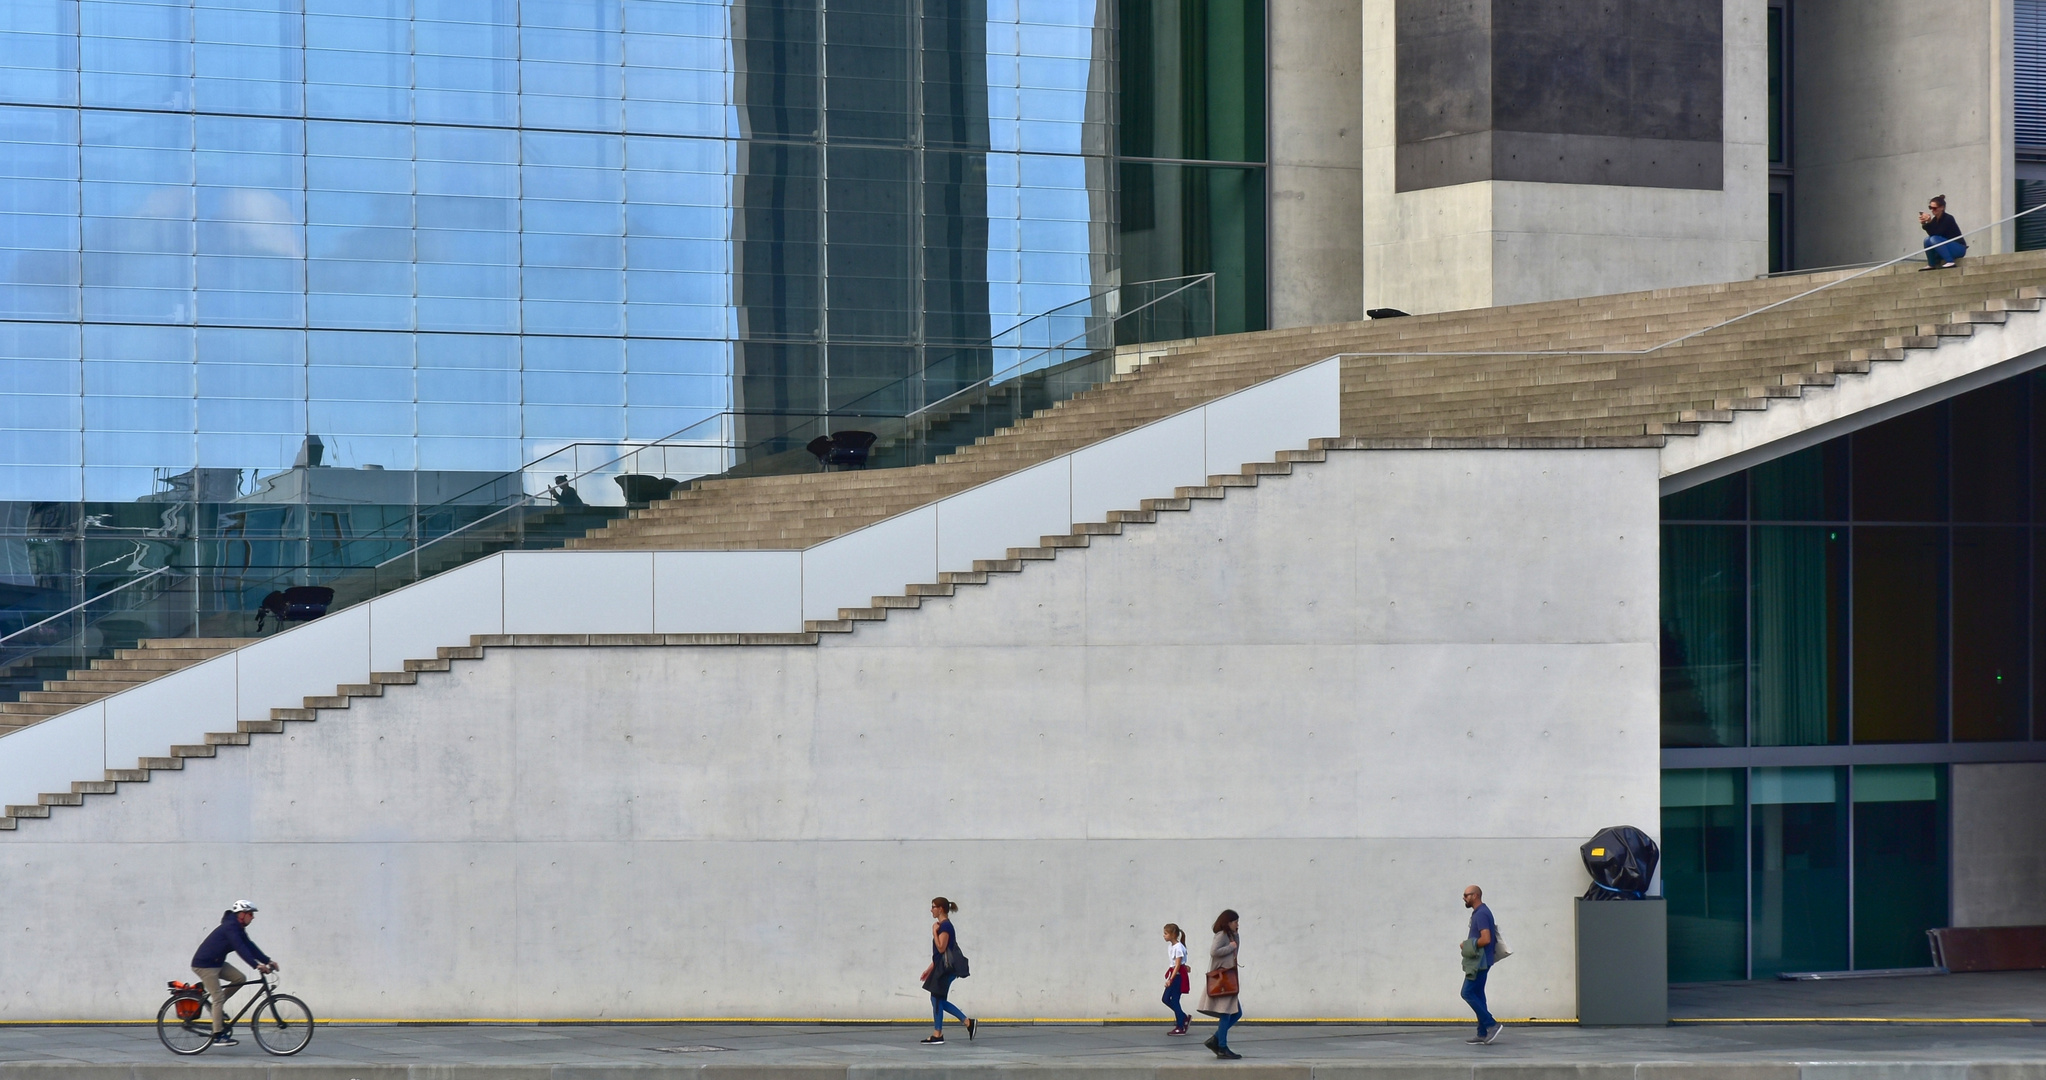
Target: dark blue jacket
<point>228,936</point>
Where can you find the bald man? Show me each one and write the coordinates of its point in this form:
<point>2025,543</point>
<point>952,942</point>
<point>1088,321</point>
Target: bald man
<point>1483,940</point>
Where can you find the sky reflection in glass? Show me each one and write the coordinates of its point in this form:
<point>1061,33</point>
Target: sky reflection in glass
<point>455,234</point>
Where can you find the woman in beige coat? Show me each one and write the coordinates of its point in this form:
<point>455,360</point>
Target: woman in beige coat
<point>1223,1007</point>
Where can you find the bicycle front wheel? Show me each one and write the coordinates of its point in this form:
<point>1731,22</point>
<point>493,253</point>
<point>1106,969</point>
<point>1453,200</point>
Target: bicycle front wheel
<point>183,1036</point>
<point>282,1025</point>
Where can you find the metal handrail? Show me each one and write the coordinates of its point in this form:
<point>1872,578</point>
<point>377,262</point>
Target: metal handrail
<point>1192,281</point>
<point>992,342</point>
<point>87,603</point>
<point>1715,326</point>
<point>675,438</point>
<point>525,499</point>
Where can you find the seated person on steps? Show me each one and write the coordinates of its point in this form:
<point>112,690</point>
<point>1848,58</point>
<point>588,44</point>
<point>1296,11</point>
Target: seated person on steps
<point>1943,243</point>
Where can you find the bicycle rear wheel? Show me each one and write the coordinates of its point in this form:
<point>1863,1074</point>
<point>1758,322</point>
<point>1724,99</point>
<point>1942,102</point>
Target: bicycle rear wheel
<point>282,1025</point>
<point>183,1036</point>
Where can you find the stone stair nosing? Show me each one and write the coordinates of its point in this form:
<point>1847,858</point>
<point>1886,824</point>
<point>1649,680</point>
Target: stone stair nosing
<point>911,598</point>
<point>1588,399</point>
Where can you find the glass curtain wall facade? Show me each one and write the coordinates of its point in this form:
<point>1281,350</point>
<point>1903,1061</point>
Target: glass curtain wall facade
<point>276,273</point>
<point>1882,589</point>
<point>1192,149</point>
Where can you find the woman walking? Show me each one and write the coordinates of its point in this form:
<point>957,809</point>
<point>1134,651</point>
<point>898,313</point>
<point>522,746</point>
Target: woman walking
<point>1175,976</point>
<point>947,964</point>
<point>1218,998</point>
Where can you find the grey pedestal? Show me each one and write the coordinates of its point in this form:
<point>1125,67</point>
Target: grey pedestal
<point>1623,963</point>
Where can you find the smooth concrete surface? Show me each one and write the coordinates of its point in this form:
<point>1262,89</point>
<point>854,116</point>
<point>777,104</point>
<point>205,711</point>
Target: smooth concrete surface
<point>1508,242</point>
<point>1979,995</point>
<point>1139,1050</point>
<point>648,592</point>
<point>1623,962</point>
<point>1540,93</point>
<point>1315,173</point>
<point>1999,855</point>
<point>1896,101</point>
<point>1110,1052</point>
<point>1328,702</point>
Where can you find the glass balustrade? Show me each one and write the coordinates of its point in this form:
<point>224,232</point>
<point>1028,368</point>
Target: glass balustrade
<point>219,585</point>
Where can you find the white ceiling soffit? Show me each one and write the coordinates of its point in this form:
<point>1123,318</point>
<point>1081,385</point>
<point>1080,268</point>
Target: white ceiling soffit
<point>1891,388</point>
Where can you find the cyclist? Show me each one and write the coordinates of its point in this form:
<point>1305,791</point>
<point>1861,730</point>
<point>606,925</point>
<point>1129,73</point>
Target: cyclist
<point>210,963</point>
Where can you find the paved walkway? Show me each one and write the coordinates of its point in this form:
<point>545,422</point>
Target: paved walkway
<point>1991,994</point>
<point>1738,1051</point>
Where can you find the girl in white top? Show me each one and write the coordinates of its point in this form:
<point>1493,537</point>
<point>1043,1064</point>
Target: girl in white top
<point>1175,976</point>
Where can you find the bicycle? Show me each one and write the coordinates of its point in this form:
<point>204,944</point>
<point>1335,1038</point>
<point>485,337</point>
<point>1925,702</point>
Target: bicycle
<point>282,1024</point>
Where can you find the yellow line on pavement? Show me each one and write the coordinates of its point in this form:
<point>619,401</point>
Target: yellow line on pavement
<point>1075,1020</point>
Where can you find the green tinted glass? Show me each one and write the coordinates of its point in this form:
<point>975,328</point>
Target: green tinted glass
<point>1704,873</point>
<point>1900,862</point>
<point>1193,79</point>
<point>1193,219</point>
<point>1800,634</point>
<point>1798,854</point>
<point>1704,635</point>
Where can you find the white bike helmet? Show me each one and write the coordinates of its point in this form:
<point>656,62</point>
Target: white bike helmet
<point>242,905</point>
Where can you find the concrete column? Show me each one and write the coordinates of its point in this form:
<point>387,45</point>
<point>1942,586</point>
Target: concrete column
<point>1428,250</point>
<point>1895,101</point>
<point>1516,237</point>
<point>1999,851</point>
<point>1315,178</point>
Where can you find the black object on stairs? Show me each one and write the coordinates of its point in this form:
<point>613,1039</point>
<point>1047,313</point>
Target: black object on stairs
<point>842,449</point>
<point>296,604</point>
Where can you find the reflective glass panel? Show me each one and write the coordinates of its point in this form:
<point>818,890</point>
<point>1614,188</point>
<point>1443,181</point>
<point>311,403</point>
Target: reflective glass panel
<point>1704,873</point>
<point>1798,876</point>
<point>1900,863</point>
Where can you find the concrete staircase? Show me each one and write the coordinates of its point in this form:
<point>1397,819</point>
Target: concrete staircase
<point>816,632</point>
<point>1493,385</point>
<point>129,667</point>
<point>1485,377</point>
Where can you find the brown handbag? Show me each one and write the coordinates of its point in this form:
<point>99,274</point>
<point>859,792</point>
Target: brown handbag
<point>1222,983</point>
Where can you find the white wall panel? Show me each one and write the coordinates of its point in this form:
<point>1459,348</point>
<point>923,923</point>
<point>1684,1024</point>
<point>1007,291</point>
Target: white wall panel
<point>306,661</point>
<point>1003,747</point>
<point>1283,414</point>
<point>728,592</point>
<point>1014,511</point>
<point>48,756</point>
<point>1119,473</point>
<point>179,708</point>
<point>876,561</point>
<point>578,592</point>
<point>673,592</point>
<point>445,609</point>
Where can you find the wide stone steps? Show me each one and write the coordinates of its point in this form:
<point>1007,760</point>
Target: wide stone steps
<point>912,597</point>
<point>1804,345</point>
<point>1567,372</point>
<point>129,667</point>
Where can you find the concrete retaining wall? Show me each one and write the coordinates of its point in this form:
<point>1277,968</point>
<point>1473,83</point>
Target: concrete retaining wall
<point>1329,702</point>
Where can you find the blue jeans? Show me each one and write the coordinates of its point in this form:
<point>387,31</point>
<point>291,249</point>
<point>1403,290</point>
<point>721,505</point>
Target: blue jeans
<point>1941,250</point>
<point>1222,1026</point>
<point>939,1007</point>
<point>1179,1017</point>
<point>1474,996</point>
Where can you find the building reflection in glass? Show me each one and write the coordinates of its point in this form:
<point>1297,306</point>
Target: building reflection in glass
<point>447,238</point>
